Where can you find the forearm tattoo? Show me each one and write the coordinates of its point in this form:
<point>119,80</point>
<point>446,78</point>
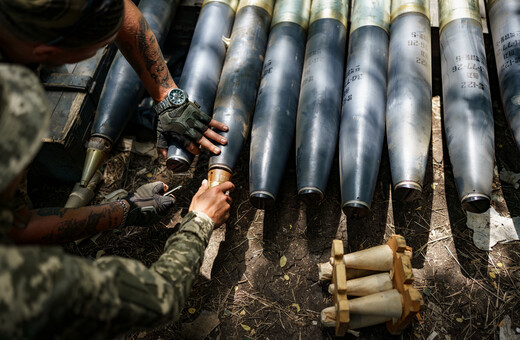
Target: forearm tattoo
<point>73,228</point>
<point>152,55</point>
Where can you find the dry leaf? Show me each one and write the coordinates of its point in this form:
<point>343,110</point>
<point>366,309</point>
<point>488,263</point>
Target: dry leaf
<point>286,277</point>
<point>245,327</point>
<point>191,310</point>
<point>149,175</point>
<point>243,312</point>
<point>297,306</point>
<point>492,275</point>
<point>283,261</point>
<point>459,320</point>
<point>500,264</point>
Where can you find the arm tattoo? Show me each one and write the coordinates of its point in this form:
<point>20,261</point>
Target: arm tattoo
<point>51,212</point>
<point>71,229</point>
<point>151,53</point>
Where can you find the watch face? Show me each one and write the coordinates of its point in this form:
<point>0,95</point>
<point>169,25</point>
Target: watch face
<point>177,96</point>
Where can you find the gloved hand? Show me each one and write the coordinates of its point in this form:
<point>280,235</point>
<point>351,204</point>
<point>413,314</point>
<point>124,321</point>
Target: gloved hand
<point>186,121</point>
<point>147,205</point>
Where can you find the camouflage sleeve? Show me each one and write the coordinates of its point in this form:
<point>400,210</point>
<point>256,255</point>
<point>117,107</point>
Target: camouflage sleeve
<point>45,293</point>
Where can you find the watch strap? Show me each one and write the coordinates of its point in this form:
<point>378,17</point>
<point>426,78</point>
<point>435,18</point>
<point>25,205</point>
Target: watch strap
<point>162,105</point>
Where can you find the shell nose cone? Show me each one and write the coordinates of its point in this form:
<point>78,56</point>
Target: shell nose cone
<point>261,200</point>
<point>476,203</point>
<point>407,191</point>
<point>310,196</point>
<point>93,160</point>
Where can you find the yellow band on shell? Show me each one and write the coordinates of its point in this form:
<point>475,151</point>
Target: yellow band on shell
<point>370,13</point>
<point>297,12</point>
<point>329,9</point>
<point>265,4</point>
<point>231,3</point>
<point>458,9</point>
<point>409,6</point>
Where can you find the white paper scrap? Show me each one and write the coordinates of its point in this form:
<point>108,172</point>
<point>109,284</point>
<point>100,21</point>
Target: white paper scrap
<point>490,228</point>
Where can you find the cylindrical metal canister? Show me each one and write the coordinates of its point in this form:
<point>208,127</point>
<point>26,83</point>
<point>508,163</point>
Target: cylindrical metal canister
<point>409,102</point>
<point>468,112</point>
<point>362,128</point>
<point>236,93</point>
<point>123,88</point>
<point>277,101</point>
<point>320,97</point>
<point>201,72</point>
<point>504,17</point>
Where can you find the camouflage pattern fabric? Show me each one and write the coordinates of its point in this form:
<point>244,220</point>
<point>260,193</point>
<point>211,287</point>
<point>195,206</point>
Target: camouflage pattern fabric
<point>45,293</point>
<point>65,23</point>
<point>24,120</point>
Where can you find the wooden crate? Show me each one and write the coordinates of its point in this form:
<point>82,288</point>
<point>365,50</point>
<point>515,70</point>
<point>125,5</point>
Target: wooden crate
<point>73,93</point>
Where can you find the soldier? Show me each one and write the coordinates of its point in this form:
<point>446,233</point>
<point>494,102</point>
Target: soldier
<point>66,31</point>
<point>44,292</point>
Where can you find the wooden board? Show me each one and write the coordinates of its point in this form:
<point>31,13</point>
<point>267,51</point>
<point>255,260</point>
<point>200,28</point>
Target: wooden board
<point>73,93</point>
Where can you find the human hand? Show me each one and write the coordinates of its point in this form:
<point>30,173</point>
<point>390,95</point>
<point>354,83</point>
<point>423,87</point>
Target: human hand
<point>213,201</point>
<point>147,204</point>
<point>188,124</point>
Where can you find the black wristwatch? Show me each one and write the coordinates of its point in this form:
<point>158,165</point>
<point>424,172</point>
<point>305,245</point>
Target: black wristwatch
<point>175,98</point>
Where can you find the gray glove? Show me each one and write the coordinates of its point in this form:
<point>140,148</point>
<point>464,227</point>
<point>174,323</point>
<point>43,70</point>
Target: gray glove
<point>182,124</point>
<point>147,205</point>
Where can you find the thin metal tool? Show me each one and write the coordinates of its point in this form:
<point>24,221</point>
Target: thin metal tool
<point>169,193</point>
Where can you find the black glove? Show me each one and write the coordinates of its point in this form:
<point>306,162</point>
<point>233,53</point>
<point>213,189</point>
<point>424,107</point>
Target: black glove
<point>146,205</point>
<point>181,124</point>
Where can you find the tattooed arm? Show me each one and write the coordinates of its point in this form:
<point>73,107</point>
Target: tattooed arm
<point>61,225</point>
<point>138,44</point>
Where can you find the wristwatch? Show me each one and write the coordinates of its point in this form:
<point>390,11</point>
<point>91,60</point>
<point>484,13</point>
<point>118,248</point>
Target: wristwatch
<point>175,98</point>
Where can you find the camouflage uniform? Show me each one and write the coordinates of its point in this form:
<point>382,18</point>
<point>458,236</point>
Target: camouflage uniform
<point>46,293</point>
<point>65,23</point>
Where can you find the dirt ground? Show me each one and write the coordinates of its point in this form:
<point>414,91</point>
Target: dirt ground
<point>467,292</point>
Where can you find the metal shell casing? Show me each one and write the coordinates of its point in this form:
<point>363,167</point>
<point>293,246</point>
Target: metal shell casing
<point>329,9</point>
<point>297,12</point>
<point>370,13</point>
<point>265,4</point>
<point>490,3</point>
<point>450,10</point>
<point>409,6</point>
<point>319,105</point>
<point>362,128</point>
<point>239,81</point>
<point>409,103</point>
<point>468,112</point>
<point>274,120</point>
<point>201,72</point>
<point>233,4</point>
<point>504,17</point>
